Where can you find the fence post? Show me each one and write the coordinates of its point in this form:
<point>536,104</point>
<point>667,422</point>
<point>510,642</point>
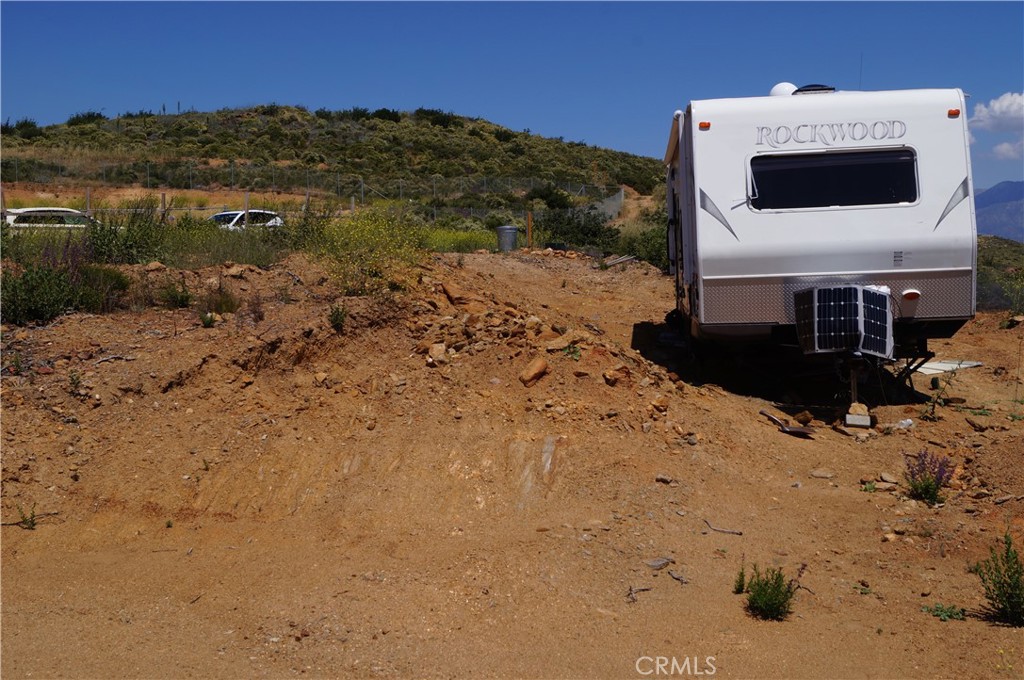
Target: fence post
<point>529,229</point>
<point>88,201</point>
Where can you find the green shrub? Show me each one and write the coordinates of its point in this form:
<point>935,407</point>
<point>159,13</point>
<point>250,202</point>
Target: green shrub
<point>220,300</point>
<point>649,245</point>
<point>100,289</point>
<point>456,240</point>
<point>769,595</point>
<point>578,227</point>
<point>176,296</point>
<point>41,293</point>
<point>370,250</point>
<point>1002,577</point>
<point>132,234</point>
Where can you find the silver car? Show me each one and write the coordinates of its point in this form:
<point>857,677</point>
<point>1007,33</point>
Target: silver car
<point>235,220</point>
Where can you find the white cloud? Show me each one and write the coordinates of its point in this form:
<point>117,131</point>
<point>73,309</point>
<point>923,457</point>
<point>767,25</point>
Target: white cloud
<point>1002,115</point>
<point>1008,151</point>
<point>1005,114</point>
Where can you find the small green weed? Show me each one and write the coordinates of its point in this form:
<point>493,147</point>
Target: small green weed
<point>207,319</point>
<point>769,595</point>
<point>740,584</point>
<point>27,521</point>
<point>337,317</point>
<point>15,367</point>
<point>868,487</point>
<point>945,612</point>
<point>572,351</point>
<point>1002,577</point>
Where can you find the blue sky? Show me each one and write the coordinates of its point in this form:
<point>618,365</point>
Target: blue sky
<point>606,73</point>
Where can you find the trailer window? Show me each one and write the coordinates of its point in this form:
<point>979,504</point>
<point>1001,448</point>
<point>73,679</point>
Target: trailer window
<point>822,180</point>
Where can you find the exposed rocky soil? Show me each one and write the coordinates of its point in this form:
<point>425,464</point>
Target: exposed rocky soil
<point>418,495</point>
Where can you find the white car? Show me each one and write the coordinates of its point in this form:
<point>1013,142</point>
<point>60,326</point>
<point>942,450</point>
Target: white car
<point>235,219</point>
<point>67,218</point>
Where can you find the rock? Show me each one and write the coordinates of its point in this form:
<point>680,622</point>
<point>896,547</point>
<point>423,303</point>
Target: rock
<point>804,417</point>
<point>437,354</point>
<point>572,337</point>
<point>1004,499</point>
<point>691,439</point>
<point>614,375</point>
<point>822,473</point>
<point>888,538</point>
<point>534,372</point>
<point>659,563</point>
<point>43,370</point>
<point>888,478</point>
<point>459,298</point>
<point>663,479</point>
<point>660,403</point>
<point>155,267</point>
<point>886,486</point>
<point>858,409</point>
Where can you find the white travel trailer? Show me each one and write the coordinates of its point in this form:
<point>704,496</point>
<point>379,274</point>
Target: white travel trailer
<point>842,221</point>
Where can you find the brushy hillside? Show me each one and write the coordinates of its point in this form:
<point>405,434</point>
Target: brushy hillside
<point>1000,274</point>
<point>276,144</point>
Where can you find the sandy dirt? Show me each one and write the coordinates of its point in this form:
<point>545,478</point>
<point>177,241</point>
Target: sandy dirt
<point>271,498</point>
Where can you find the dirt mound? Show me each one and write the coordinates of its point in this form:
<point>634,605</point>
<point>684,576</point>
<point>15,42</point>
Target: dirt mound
<point>473,477</point>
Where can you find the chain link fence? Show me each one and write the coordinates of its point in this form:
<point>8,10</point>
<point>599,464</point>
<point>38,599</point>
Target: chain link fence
<point>192,175</point>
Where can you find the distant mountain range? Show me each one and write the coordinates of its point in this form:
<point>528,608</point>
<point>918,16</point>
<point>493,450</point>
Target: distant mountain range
<point>1000,210</point>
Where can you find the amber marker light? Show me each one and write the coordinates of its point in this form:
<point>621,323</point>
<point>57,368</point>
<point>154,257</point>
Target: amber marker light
<point>911,294</point>
<point>954,113</point>
<point>704,125</point>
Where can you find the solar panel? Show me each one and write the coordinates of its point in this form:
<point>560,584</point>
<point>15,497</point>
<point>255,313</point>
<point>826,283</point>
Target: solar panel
<point>844,318</point>
<point>876,337</point>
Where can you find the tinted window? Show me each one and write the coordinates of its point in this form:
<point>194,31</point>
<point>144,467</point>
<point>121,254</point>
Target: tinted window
<point>824,180</point>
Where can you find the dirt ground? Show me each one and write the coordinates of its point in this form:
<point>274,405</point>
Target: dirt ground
<point>271,498</point>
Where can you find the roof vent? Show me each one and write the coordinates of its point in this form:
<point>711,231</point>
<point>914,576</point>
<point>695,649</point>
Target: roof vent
<point>814,89</point>
<point>783,89</point>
